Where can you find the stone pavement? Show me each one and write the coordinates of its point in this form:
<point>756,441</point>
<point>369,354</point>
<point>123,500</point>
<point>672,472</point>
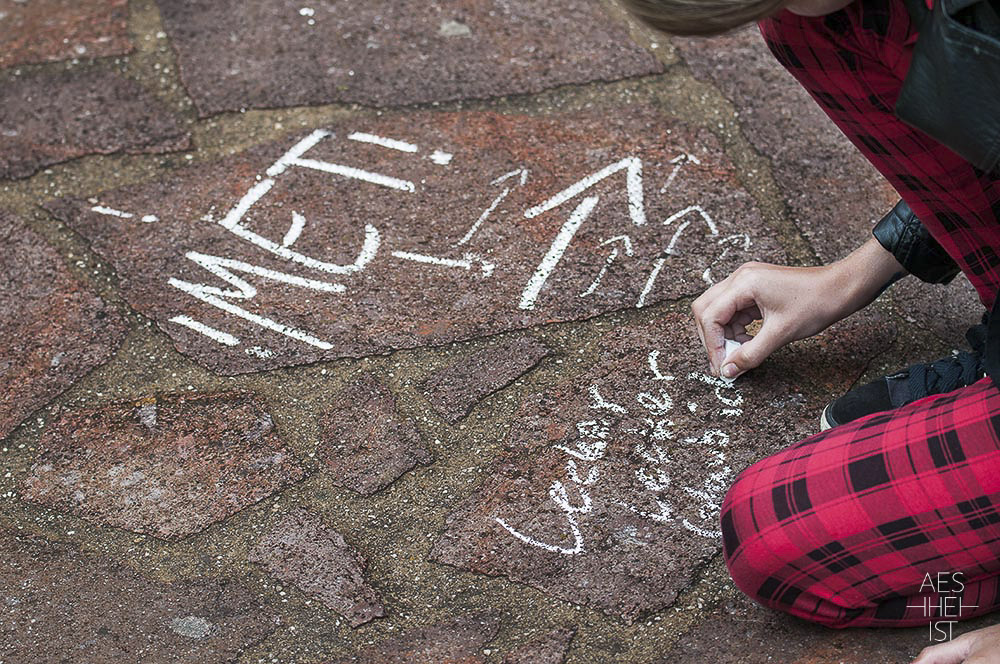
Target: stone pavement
<point>358,332</point>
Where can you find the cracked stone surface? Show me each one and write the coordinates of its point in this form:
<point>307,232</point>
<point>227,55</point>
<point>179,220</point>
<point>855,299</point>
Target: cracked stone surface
<point>609,490</point>
<point>283,53</point>
<point>47,118</point>
<point>165,466</point>
<point>459,640</point>
<point>947,311</point>
<point>377,270</point>
<point>55,330</point>
<point>47,30</point>
<point>812,159</point>
<point>549,649</point>
<point>61,605</point>
<point>305,552</point>
<point>366,442</point>
<point>454,390</point>
<point>321,246</point>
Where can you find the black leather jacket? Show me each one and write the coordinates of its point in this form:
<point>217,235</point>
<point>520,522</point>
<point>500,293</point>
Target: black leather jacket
<point>902,235</point>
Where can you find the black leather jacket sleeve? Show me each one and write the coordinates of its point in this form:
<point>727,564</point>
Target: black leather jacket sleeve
<point>902,234</point>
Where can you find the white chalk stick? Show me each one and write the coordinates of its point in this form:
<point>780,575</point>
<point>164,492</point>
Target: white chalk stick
<point>731,347</point>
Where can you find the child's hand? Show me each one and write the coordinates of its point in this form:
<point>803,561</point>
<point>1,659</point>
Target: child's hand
<point>793,303</point>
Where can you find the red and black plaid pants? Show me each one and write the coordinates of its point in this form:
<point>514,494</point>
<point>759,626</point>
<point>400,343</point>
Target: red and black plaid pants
<point>843,527</point>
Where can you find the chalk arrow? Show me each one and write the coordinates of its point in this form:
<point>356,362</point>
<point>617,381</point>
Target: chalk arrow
<point>626,242</point>
<point>633,183</point>
<point>522,172</point>
<point>698,213</point>
<point>688,211</point>
<point>465,263</point>
<point>740,241</point>
<point>678,163</point>
<point>556,251</point>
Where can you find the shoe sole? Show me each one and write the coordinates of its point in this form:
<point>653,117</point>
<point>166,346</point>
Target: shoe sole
<point>824,422</point>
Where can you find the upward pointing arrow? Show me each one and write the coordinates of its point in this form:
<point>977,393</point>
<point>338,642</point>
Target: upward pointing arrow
<point>556,250</point>
<point>678,162</point>
<point>626,243</point>
<point>671,249</point>
<point>633,184</point>
<point>712,228</point>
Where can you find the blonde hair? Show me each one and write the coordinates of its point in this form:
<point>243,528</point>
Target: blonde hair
<point>700,17</point>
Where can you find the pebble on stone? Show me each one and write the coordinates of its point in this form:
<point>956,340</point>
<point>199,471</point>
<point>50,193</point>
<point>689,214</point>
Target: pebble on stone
<point>549,649</point>
<point>458,640</point>
<point>167,466</point>
<point>391,52</point>
<point>608,492</point>
<point>366,442</point>
<point>48,30</point>
<point>54,329</point>
<point>454,390</point>
<point>48,118</point>
<point>61,605</point>
<point>301,550</point>
<point>346,244</point>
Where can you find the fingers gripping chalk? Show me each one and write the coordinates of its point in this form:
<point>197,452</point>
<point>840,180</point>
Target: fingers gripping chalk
<point>731,347</point>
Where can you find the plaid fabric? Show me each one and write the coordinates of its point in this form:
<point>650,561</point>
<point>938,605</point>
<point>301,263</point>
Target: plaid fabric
<point>843,527</point>
<point>853,63</point>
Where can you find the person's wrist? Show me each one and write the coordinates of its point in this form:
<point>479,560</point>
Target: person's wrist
<point>841,292</point>
<point>863,275</point>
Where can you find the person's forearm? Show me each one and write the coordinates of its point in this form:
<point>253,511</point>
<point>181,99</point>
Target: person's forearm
<point>865,274</point>
<point>792,302</point>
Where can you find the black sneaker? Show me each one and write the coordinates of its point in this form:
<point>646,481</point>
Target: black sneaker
<point>908,385</point>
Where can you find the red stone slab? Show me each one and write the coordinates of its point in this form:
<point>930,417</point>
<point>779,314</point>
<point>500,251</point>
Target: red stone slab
<point>303,551</point>
<point>458,640</point>
<point>165,466</point>
<point>455,389</point>
<point>745,633</point>
<point>947,311</point>
<point>550,649</point>
<point>236,54</point>
<point>61,605</point>
<point>366,443</point>
<point>54,330</point>
<point>47,30</point>
<point>328,245</point>
<point>47,118</point>
<point>609,490</point>
<point>833,194</point>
